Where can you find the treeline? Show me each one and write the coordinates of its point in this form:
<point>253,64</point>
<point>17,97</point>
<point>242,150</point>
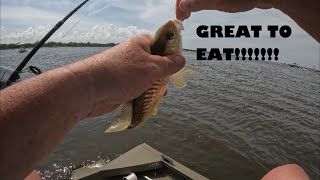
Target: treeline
<point>56,44</point>
<point>190,50</point>
<point>60,44</point>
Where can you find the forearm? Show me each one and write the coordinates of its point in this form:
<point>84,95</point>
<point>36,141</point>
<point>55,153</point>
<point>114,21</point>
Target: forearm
<point>305,13</point>
<point>36,114</point>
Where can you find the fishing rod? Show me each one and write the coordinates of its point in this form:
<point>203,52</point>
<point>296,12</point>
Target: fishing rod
<point>9,76</point>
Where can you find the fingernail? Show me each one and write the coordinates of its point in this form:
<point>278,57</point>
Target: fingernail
<point>179,60</point>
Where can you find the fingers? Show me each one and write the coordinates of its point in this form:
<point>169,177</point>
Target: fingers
<point>180,13</point>
<point>231,6</point>
<point>196,5</point>
<point>169,64</point>
<point>185,7</point>
<point>101,108</point>
<point>145,40</point>
<point>158,66</point>
<point>33,175</point>
<point>146,37</point>
<point>165,66</point>
<point>288,171</point>
<point>264,4</point>
<point>179,61</point>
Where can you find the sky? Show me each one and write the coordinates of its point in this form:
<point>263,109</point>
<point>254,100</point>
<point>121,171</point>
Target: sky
<point>107,21</point>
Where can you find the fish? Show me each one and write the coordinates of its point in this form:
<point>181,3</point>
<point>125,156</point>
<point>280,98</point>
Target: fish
<point>167,41</point>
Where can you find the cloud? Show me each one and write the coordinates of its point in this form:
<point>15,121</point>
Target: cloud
<point>105,33</point>
<point>157,11</point>
<point>29,35</point>
<point>116,20</point>
<point>31,24</point>
<point>9,13</point>
<point>43,4</point>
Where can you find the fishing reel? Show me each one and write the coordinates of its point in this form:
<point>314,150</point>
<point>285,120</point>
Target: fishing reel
<point>5,74</point>
<point>9,76</point>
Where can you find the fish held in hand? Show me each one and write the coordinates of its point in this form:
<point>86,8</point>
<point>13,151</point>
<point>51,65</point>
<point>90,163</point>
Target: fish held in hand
<point>134,113</point>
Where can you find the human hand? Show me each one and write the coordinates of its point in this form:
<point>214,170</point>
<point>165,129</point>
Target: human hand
<point>125,71</point>
<point>185,7</point>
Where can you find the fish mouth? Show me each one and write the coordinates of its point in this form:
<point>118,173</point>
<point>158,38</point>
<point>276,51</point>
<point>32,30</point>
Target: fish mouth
<point>178,24</point>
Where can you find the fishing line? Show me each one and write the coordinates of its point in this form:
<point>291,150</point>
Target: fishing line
<point>96,11</point>
<point>9,76</point>
<point>91,12</point>
<point>77,23</point>
<point>70,28</point>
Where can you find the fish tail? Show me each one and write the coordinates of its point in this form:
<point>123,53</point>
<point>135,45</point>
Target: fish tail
<point>122,122</point>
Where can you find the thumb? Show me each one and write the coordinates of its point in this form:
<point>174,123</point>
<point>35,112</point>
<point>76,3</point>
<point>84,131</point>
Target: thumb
<point>186,5</point>
<point>167,65</point>
<point>180,14</point>
<point>197,5</point>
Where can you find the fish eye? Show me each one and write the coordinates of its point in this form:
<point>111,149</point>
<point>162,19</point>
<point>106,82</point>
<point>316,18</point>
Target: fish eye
<point>170,35</point>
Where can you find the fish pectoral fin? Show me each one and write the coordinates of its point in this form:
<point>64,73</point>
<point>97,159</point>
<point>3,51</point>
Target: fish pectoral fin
<point>178,82</point>
<point>154,111</point>
<point>123,121</point>
<point>179,78</point>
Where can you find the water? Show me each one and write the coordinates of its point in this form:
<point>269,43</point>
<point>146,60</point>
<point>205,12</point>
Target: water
<point>238,120</point>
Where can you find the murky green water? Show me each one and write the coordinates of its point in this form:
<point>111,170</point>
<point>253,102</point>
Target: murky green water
<point>236,121</point>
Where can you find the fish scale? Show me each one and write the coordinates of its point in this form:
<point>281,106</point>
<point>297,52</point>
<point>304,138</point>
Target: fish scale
<point>166,41</point>
<point>144,104</point>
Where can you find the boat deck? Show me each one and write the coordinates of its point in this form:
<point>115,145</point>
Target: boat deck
<point>143,160</point>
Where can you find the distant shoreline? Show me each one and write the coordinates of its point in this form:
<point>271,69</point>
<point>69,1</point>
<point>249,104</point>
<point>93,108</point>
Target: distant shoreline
<point>60,44</point>
<point>55,44</point>
<point>88,44</point>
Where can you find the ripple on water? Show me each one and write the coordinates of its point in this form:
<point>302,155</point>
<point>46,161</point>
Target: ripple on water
<point>237,120</point>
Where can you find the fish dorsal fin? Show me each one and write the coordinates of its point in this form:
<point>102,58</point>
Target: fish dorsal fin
<point>123,121</point>
<point>179,78</point>
<point>154,111</point>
